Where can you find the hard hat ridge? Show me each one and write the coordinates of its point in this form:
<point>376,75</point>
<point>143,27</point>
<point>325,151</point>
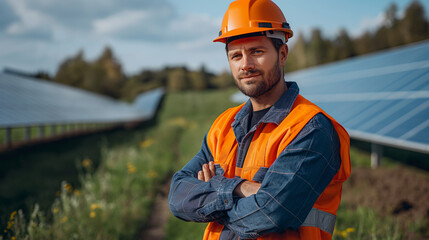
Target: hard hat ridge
<point>251,16</point>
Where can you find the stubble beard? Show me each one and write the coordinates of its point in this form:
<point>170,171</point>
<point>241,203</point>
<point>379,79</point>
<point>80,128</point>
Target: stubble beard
<point>258,88</point>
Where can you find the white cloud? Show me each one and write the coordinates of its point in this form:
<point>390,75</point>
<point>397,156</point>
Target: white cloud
<point>29,21</point>
<point>56,19</point>
<point>119,21</point>
<point>369,24</point>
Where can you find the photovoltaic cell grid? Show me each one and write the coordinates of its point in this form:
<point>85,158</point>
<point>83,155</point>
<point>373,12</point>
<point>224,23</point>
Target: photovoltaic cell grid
<point>381,98</point>
<point>28,102</point>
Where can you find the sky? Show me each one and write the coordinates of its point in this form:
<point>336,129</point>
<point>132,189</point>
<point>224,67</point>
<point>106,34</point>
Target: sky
<point>37,35</point>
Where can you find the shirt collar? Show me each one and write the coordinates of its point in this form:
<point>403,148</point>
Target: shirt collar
<point>278,111</point>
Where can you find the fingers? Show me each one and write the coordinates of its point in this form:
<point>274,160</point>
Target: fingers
<point>212,168</point>
<point>206,171</point>
<point>201,175</point>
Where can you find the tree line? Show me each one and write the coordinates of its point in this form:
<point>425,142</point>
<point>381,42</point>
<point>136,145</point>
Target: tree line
<point>104,75</point>
<point>394,31</point>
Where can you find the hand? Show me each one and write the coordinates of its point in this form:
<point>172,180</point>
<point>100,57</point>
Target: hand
<point>207,172</point>
<point>247,188</point>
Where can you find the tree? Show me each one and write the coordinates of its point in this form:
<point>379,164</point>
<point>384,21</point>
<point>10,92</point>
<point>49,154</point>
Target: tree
<point>297,58</point>
<point>317,48</point>
<point>107,74</point>
<point>342,47</point>
<point>414,25</point>
<point>223,80</point>
<point>391,15</point>
<point>103,76</point>
<point>72,70</point>
<point>199,80</point>
<point>391,21</point>
<point>364,44</point>
<point>177,80</point>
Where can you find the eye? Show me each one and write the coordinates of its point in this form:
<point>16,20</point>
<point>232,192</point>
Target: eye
<point>235,56</point>
<point>257,51</point>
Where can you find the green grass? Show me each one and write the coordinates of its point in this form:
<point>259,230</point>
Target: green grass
<point>112,203</point>
<point>364,223</point>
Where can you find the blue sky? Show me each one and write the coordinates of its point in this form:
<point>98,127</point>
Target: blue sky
<point>150,34</point>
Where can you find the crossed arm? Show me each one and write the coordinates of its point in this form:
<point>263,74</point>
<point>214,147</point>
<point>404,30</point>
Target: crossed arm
<point>243,189</point>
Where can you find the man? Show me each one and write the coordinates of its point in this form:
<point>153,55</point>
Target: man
<point>271,168</point>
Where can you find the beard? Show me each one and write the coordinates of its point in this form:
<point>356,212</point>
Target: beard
<point>256,89</point>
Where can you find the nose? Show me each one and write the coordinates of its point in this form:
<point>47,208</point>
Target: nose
<point>247,63</point>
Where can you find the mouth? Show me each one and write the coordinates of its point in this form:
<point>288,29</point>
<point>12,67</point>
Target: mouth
<point>250,77</point>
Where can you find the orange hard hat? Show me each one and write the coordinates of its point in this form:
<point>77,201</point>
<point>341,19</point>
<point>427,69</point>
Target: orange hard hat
<point>252,16</point>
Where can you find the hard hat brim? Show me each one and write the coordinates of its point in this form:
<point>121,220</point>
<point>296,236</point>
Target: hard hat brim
<point>242,31</point>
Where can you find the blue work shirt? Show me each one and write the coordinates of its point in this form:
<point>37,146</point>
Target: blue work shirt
<point>311,161</point>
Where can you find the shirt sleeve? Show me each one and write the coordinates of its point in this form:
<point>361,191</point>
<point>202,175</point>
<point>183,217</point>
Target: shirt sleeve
<point>193,200</point>
<point>291,185</point>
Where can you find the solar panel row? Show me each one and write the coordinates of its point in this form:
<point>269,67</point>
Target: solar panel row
<point>27,102</point>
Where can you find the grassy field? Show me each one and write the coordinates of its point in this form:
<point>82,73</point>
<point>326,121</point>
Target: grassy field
<point>113,200</point>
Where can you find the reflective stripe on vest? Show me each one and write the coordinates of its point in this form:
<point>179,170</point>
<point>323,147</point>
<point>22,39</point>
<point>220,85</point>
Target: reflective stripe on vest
<point>320,219</point>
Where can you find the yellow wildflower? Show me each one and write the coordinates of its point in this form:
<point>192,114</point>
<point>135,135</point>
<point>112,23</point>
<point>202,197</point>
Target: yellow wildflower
<point>131,168</point>
<point>76,192</point>
<point>179,122</point>
<point>92,214</point>
<point>152,174</point>
<point>56,210</point>
<point>95,206</point>
<point>87,163</point>
<point>64,219</point>
<point>344,233</point>
<point>68,187</point>
<point>9,225</point>
<point>146,143</point>
<point>13,238</point>
<point>12,215</point>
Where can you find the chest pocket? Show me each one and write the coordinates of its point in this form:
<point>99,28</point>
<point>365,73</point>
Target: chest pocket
<point>262,153</point>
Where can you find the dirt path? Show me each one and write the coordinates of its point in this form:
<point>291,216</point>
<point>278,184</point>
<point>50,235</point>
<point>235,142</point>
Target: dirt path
<point>158,219</point>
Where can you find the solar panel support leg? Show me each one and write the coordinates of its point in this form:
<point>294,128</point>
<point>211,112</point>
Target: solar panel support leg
<point>63,128</point>
<point>27,133</point>
<point>41,132</point>
<point>376,155</point>
<point>53,130</point>
<point>8,137</point>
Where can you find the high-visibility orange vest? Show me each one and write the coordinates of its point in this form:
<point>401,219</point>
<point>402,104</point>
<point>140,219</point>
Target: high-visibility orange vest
<point>267,144</point>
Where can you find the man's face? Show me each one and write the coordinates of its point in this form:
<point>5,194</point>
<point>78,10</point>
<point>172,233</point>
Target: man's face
<point>255,65</point>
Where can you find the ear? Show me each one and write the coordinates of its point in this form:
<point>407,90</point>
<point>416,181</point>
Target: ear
<point>283,52</point>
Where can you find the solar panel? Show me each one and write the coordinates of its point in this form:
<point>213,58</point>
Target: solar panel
<point>27,102</point>
<point>381,98</point>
